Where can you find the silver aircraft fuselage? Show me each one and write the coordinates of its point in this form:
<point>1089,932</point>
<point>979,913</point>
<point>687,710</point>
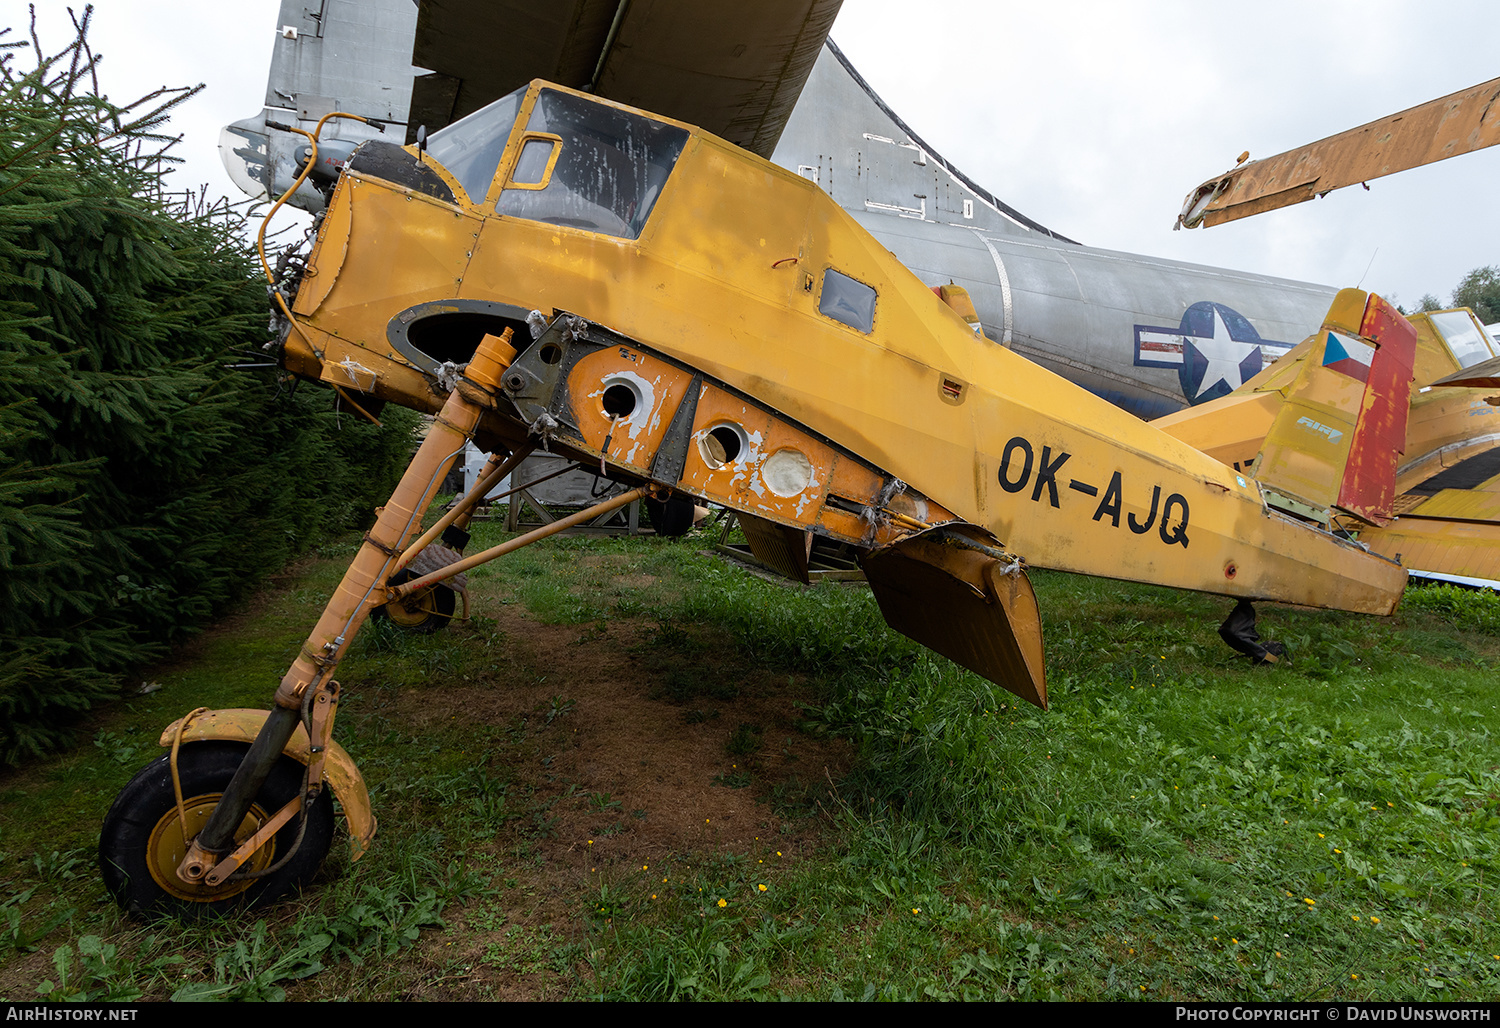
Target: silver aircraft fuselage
<point>1147,334</point>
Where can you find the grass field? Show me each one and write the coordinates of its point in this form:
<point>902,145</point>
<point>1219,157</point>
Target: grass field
<point>641,772</point>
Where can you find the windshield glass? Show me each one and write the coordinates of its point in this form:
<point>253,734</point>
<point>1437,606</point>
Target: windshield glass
<point>470,148</point>
<point>1463,337</point>
<point>610,170</point>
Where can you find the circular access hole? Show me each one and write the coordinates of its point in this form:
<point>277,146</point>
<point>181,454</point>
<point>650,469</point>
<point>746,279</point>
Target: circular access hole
<point>620,401</point>
<point>723,444</point>
<point>550,354</point>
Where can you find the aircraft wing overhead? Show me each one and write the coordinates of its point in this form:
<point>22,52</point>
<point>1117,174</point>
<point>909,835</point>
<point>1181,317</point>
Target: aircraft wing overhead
<point>1446,127</point>
<point>733,68</point>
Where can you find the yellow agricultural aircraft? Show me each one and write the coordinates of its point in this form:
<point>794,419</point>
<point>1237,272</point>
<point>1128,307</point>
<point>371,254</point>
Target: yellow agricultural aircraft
<point>1445,517</point>
<point>675,312</point>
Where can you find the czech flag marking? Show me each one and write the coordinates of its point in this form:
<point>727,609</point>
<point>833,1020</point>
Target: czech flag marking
<point>1348,356</point>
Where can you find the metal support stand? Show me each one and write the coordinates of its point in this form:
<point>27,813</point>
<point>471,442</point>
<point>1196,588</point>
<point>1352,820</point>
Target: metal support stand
<point>546,486</point>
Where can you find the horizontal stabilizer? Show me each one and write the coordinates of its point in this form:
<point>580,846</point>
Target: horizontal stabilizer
<point>1335,441</point>
<point>952,590</point>
<point>1457,548</point>
<point>1484,375</point>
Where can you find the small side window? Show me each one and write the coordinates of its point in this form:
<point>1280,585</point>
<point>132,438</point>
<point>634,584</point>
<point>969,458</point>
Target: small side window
<point>847,301</point>
<point>535,162</point>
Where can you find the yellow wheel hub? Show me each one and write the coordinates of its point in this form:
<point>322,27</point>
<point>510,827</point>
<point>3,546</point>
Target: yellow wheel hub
<point>167,849</point>
<point>415,611</point>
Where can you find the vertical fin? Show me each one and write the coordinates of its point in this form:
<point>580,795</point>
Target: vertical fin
<point>1369,486</point>
<point>1335,441</point>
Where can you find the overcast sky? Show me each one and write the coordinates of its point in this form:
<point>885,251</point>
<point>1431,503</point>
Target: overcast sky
<point>1094,118</point>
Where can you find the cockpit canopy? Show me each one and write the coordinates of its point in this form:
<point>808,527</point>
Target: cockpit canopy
<point>1464,335</point>
<point>471,147</point>
<point>577,163</point>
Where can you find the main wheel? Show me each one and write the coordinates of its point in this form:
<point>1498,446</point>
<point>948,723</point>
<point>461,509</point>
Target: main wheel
<point>671,517</point>
<point>426,612</point>
<point>142,841</point>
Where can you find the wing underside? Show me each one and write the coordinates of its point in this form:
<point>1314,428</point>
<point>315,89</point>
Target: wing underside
<point>735,69</point>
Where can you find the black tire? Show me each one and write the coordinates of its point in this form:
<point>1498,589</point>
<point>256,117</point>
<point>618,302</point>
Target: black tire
<point>671,517</point>
<point>430,612</point>
<point>141,843</point>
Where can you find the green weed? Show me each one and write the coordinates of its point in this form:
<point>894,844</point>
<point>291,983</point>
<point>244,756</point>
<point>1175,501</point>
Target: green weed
<point>250,969</point>
<point>1475,610</point>
<point>1178,826</point>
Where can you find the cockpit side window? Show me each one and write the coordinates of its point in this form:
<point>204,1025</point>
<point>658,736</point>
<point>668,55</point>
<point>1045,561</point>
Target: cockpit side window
<point>609,169</point>
<point>534,165</point>
<point>847,300</point>
<point>471,147</point>
<point>1463,336</point>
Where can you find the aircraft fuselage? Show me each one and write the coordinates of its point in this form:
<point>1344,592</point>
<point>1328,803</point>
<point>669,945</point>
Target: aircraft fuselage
<point>753,279</point>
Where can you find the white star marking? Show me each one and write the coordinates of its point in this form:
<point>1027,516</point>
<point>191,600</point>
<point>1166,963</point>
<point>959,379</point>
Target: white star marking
<point>1224,355</point>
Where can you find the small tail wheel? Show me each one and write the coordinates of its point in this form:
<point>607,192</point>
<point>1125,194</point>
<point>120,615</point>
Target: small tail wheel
<point>671,517</point>
<point>425,612</point>
<point>143,840</point>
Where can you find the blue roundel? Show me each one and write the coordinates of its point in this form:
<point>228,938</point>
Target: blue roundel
<point>1220,351</point>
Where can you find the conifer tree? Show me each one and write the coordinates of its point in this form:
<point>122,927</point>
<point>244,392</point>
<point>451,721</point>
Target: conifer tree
<point>144,484</point>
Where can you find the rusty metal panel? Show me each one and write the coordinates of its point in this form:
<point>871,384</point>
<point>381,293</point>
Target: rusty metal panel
<point>1407,502</point>
<point>1369,481</point>
<point>1451,125</point>
<point>619,403</point>
<point>966,602</point>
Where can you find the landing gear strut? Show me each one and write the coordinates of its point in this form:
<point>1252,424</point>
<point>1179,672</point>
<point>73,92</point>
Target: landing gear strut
<point>234,824</point>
